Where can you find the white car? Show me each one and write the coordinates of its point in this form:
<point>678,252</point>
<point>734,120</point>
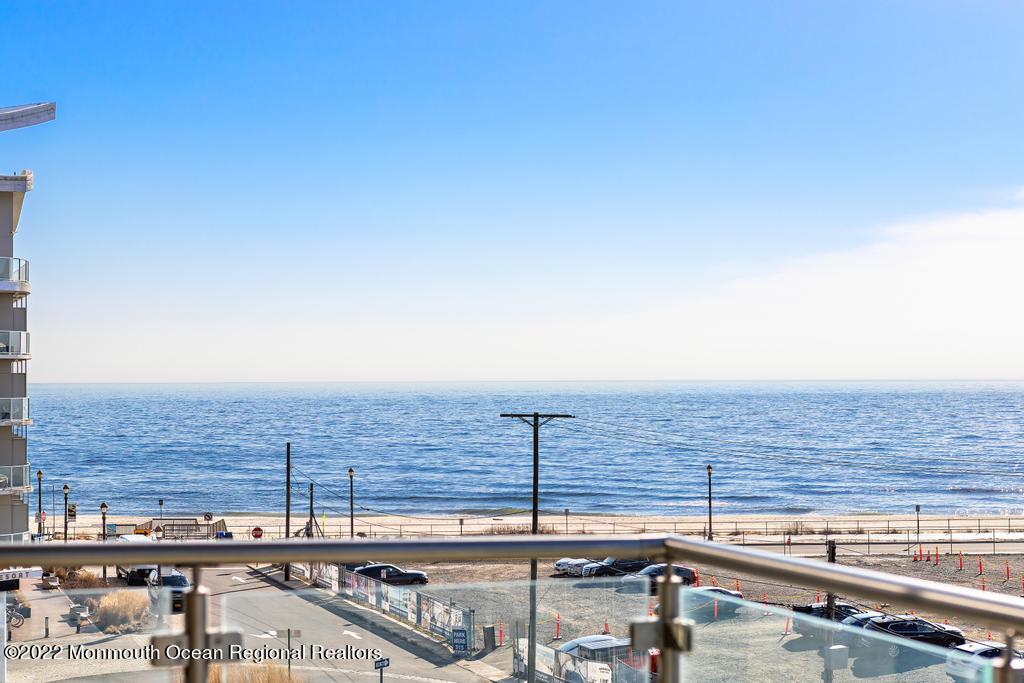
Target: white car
<point>563,564</point>
<point>967,663</point>
<point>575,567</point>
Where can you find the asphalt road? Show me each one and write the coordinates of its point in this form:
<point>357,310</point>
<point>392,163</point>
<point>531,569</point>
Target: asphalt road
<point>243,599</point>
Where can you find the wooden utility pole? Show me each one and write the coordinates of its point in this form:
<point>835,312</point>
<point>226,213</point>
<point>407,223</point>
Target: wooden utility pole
<point>830,614</point>
<point>535,420</point>
<point>287,502</point>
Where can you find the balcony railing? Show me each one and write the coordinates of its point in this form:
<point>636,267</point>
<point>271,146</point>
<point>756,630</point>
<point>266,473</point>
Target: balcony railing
<point>747,648</point>
<point>13,269</point>
<point>14,344</point>
<point>14,477</point>
<point>14,411</point>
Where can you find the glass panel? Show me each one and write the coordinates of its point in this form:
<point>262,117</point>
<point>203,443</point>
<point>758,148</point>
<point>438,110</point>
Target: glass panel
<point>82,628</point>
<point>737,639</point>
<point>444,629</point>
<point>14,269</point>
<point>14,476</point>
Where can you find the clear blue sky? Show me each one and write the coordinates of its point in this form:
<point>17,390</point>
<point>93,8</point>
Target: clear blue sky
<point>290,173</point>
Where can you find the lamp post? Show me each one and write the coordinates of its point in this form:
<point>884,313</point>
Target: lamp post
<point>103,514</point>
<point>161,504</point>
<point>39,508</point>
<point>67,490</point>
<point>711,535</point>
<point>351,503</point>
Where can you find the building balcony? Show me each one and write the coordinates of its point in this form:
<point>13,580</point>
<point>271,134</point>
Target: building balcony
<point>14,276</point>
<point>14,411</point>
<point>15,479</point>
<point>14,345</point>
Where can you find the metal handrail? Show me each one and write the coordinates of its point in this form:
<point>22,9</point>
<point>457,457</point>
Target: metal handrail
<point>992,609</point>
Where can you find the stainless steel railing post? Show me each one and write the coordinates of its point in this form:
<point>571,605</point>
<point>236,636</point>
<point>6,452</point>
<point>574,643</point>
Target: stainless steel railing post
<point>671,661</point>
<point>195,626</point>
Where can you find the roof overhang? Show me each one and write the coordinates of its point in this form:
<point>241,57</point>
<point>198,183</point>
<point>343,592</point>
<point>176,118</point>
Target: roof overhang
<point>25,115</point>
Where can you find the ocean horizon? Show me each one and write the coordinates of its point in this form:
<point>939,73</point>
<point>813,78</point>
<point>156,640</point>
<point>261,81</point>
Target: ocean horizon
<point>441,448</point>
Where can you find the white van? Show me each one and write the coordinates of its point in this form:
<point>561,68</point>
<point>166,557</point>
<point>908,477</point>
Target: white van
<point>135,574</point>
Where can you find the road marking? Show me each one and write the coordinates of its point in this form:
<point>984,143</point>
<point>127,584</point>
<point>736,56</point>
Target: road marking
<point>238,579</point>
<point>375,674</point>
<point>353,634</point>
<point>265,634</point>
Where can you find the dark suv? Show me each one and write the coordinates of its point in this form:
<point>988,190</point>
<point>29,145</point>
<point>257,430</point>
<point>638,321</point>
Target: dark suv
<point>913,628</point>
<point>808,627</point>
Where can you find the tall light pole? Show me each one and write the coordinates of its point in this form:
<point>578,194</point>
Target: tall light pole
<point>39,504</point>
<point>103,514</point>
<point>917,508</point>
<point>535,420</point>
<point>161,503</point>
<point>67,490</point>
<point>711,535</point>
<point>351,503</point>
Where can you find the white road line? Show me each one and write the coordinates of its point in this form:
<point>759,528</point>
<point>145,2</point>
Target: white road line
<point>238,579</point>
<point>353,634</point>
<point>375,674</point>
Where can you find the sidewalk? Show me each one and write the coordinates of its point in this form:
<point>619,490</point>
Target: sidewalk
<point>53,603</point>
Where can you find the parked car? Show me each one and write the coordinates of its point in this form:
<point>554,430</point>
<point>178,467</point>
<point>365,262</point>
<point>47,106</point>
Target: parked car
<point>390,574</point>
<point>967,663</point>
<point>850,634</point>
<point>562,565</point>
<point>134,574</point>
<point>615,566</point>
<point>912,628</point>
<point>647,578</point>
<point>175,583</point>
<point>807,627</point>
<point>575,567</point>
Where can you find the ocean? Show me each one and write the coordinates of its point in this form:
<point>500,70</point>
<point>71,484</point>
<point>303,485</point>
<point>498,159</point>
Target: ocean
<point>633,448</point>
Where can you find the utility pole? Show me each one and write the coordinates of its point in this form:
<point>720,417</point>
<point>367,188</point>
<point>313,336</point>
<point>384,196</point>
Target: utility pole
<point>535,420</point>
<point>287,503</point>
<point>310,533</point>
<point>830,614</point>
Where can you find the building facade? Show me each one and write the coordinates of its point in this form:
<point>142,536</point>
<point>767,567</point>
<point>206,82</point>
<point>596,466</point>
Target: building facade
<point>16,477</point>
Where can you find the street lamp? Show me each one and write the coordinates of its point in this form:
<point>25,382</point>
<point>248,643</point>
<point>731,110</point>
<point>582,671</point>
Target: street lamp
<point>917,508</point>
<point>161,503</point>
<point>67,490</point>
<point>711,535</point>
<point>39,510</point>
<point>103,514</point>
<point>351,503</point>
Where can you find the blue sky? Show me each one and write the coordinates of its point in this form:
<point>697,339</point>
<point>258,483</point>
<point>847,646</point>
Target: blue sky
<point>350,179</point>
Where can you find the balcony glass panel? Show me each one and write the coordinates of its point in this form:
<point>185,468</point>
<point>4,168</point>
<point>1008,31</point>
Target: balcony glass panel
<point>101,633</point>
<point>446,629</point>
<point>14,343</point>
<point>14,477</point>
<point>13,269</point>
<point>737,639</point>
<point>13,409</point>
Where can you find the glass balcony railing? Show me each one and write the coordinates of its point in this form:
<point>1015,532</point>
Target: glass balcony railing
<point>14,344</point>
<point>13,269</point>
<point>13,410</point>
<point>14,477</point>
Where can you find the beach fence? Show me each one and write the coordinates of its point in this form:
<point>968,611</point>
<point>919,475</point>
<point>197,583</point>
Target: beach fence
<point>445,619</point>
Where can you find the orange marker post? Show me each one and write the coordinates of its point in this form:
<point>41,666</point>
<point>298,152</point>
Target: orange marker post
<point>983,583</point>
<point>716,610</point>
<point>737,585</point>
<point>981,568</point>
<point>501,634</point>
<point>1007,570</point>
<point>785,629</point>
<point>558,626</point>
<point>936,556</point>
<point>606,630</point>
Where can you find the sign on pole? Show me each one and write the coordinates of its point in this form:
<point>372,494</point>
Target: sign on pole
<point>382,663</point>
<point>460,640</point>
<point>207,516</point>
<point>72,512</point>
<point>257,532</point>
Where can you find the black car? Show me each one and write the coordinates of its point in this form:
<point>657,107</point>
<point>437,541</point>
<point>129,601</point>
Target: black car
<point>390,574</point>
<point>174,584</point>
<point>615,566</point>
<point>647,578</point>
<point>913,628</point>
<point>807,627</point>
